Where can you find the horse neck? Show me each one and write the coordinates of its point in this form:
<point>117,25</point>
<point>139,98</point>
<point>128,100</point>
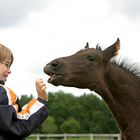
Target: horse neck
<point>120,89</point>
<point>116,83</point>
<point>121,83</point>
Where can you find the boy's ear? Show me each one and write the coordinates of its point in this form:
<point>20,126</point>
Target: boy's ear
<point>112,50</point>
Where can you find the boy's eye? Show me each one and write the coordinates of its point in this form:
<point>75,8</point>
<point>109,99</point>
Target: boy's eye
<point>6,64</point>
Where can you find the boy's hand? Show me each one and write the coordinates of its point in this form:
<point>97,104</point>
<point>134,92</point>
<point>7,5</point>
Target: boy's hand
<point>41,89</point>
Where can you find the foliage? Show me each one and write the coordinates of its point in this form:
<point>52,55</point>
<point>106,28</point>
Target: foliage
<point>49,126</point>
<point>25,99</point>
<point>71,114</point>
<point>70,126</point>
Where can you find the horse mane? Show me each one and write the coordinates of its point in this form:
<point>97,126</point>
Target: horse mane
<point>129,67</point>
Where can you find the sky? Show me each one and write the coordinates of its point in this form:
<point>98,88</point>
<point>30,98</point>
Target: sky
<point>38,31</point>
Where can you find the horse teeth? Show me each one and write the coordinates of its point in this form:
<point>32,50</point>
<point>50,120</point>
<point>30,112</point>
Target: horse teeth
<point>54,75</point>
<point>51,74</point>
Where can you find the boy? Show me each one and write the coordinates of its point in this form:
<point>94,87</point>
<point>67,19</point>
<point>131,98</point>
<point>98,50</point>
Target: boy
<point>15,122</point>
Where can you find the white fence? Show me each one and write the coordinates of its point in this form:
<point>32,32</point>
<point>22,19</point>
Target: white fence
<point>75,136</point>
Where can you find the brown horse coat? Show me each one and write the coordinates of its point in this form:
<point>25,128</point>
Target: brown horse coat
<point>116,82</point>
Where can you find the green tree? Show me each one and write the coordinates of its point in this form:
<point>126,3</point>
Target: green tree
<point>70,126</point>
<point>24,99</point>
<point>49,126</point>
<point>90,111</point>
<point>60,106</point>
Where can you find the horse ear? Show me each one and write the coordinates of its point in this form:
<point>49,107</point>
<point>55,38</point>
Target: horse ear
<point>98,47</point>
<point>87,45</point>
<point>112,50</point>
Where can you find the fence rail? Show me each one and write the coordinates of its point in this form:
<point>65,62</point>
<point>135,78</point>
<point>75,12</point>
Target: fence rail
<point>75,136</point>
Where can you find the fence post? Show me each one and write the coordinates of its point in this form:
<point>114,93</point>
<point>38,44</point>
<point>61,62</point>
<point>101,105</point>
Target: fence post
<point>119,136</point>
<point>37,137</point>
<point>91,136</point>
<point>65,136</point>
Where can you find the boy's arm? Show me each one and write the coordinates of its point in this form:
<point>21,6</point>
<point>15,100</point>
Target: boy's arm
<point>21,123</point>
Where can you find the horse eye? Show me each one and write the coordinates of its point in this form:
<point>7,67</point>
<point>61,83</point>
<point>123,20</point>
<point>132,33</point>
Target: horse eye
<point>91,58</point>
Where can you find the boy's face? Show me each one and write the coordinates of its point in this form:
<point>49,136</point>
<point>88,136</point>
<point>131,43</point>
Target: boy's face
<point>4,70</point>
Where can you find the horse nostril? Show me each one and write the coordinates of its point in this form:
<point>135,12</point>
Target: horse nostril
<point>55,64</point>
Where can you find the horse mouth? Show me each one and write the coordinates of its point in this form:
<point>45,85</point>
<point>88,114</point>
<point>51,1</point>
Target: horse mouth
<point>54,78</point>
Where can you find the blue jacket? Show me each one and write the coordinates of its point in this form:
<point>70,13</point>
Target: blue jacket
<point>15,122</point>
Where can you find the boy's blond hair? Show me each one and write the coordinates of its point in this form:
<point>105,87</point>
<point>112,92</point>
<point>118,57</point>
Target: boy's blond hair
<point>5,53</point>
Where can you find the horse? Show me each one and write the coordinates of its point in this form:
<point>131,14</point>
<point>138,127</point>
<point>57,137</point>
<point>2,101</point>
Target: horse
<point>117,82</point>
